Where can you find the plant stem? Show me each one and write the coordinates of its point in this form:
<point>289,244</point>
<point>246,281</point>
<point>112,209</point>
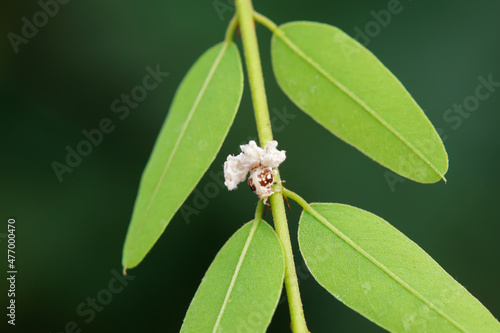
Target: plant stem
<point>298,321</point>
<point>245,16</point>
<point>254,69</point>
<point>298,199</point>
<point>258,210</point>
<point>230,29</point>
<point>267,23</point>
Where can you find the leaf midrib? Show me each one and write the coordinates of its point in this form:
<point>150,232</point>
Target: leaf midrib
<point>354,97</point>
<point>188,120</point>
<point>209,77</point>
<point>382,267</point>
<point>235,274</point>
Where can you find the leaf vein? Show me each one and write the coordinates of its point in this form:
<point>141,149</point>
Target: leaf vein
<point>183,130</point>
<point>382,267</point>
<point>354,97</point>
<point>235,274</point>
<point>188,120</point>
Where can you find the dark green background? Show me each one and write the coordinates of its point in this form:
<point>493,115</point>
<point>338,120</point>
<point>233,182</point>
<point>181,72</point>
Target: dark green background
<point>70,234</point>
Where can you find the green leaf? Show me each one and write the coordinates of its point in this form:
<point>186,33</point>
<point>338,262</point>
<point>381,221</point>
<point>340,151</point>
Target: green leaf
<point>373,268</point>
<point>201,114</point>
<point>242,287</point>
<point>345,88</point>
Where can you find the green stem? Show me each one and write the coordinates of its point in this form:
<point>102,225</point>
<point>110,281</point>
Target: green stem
<point>267,23</point>
<point>246,21</point>
<point>254,69</point>
<point>230,29</point>
<point>258,210</point>
<point>298,199</point>
<point>298,321</point>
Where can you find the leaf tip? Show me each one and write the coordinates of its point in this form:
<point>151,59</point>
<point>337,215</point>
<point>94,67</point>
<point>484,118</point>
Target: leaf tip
<point>126,262</point>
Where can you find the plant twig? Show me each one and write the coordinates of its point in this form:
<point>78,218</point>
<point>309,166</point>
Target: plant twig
<point>230,29</point>
<point>267,23</point>
<point>245,16</point>
<point>258,210</point>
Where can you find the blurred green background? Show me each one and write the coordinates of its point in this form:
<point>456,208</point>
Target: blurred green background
<point>70,234</point>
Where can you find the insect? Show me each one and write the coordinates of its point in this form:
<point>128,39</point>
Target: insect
<point>261,163</point>
<point>261,180</point>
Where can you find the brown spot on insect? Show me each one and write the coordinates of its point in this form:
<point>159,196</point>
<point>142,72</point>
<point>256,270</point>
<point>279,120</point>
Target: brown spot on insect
<point>262,180</point>
<point>265,177</point>
<point>251,184</point>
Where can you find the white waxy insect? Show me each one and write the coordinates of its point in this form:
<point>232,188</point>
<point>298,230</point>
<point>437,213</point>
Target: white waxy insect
<point>261,181</point>
<point>261,163</point>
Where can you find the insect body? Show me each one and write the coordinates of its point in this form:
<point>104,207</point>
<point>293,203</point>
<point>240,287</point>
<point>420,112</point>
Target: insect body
<point>261,180</point>
<point>261,163</point>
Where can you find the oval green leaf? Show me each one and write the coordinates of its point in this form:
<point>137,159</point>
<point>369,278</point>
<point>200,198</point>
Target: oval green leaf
<point>201,114</point>
<point>242,287</point>
<point>376,270</point>
<point>346,89</point>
